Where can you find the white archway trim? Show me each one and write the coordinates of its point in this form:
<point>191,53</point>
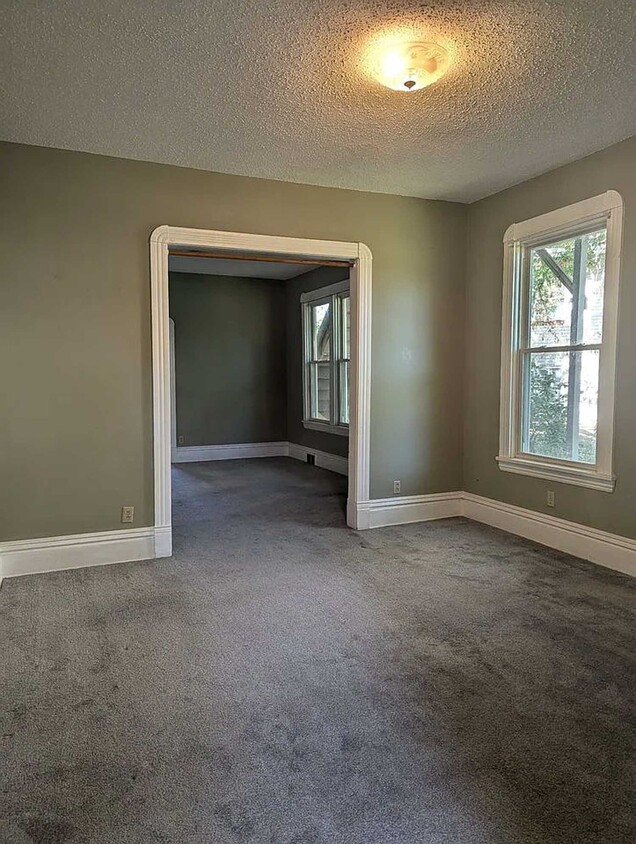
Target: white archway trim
<point>161,240</point>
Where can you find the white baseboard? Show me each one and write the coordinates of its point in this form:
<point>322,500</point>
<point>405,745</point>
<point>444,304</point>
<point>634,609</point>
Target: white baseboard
<point>205,453</point>
<point>56,553</point>
<point>404,509</point>
<point>597,546</point>
<point>36,556</point>
<point>237,451</point>
<point>332,462</point>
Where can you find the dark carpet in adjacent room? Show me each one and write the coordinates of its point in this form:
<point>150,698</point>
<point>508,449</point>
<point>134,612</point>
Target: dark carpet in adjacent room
<point>284,680</point>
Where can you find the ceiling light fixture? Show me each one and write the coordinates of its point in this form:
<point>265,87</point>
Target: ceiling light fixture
<point>411,66</point>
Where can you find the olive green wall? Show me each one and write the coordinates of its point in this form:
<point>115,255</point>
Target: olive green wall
<point>75,356</point>
<point>613,168</point>
<point>296,431</point>
<point>230,359</point>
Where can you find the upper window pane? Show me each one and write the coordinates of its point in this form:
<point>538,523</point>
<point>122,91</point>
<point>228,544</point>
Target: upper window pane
<point>566,291</point>
<point>321,331</point>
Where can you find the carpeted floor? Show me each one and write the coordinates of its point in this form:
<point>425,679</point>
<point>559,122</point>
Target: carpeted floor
<point>283,680</point>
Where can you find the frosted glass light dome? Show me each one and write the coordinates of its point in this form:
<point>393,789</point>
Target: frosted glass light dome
<point>411,66</point>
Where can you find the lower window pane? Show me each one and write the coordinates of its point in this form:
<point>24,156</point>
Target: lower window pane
<point>346,326</point>
<point>344,392</point>
<point>320,391</point>
<point>560,405</point>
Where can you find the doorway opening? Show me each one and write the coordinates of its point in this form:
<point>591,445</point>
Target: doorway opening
<point>336,385</point>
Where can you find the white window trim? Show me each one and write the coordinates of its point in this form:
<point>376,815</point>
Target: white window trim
<point>312,297</point>
<point>605,209</point>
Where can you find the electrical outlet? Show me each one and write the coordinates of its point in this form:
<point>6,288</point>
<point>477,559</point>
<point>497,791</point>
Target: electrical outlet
<point>180,440</point>
<point>396,487</point>
<point>127,515</point>
<point>549,498</point>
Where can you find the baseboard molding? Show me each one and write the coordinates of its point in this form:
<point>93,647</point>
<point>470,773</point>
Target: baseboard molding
<point>332,462</point>
<point>36,556</point>
<point>597,546</point>
<point>237,451</point>
<point>405,509</point>
<point>56,553</point>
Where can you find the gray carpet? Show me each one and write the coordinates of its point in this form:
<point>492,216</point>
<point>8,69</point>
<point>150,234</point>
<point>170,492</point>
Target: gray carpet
<point>283,680</point>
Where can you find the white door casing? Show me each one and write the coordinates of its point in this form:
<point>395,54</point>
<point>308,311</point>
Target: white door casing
<point>359,254</point>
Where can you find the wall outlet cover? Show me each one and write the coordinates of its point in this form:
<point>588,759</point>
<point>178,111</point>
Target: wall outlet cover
<point>127,515</point>
<point>550,498</point>
<point>397,486</point>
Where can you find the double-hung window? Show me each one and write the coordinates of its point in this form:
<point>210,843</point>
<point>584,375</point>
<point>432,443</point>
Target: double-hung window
<point>326,320</point>
<point>560,309</point>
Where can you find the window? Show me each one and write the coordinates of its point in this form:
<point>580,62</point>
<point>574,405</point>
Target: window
<point>326,315</point>
<point>560,307</point>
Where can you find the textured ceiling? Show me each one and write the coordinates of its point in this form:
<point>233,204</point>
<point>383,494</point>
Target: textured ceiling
<point>280,89</point>
<point>237,269</point>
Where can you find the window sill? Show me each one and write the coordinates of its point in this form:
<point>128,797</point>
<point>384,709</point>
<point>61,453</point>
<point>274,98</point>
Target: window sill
<point>561,473</point>
<point>326,428</point>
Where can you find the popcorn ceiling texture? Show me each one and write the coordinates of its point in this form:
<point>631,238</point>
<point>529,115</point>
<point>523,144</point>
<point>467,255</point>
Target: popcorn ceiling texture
<point>281,89</point>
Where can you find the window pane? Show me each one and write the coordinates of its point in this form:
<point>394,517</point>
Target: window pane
<point>566,291</point>
<point>320,391</point>
<point>344,392</point>
<point>561,405</point>
<point>346,326</point>
<point>321,331</point>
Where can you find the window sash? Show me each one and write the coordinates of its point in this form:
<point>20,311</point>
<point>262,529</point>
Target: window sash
<point>525,352</point>
<point>575,347</point>
<point>574,434</point>
<point>582,218</point>
<point>338,419</point>
<point>525,291</point>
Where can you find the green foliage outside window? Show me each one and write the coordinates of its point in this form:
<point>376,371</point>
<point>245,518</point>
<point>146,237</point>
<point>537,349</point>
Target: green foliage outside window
<point>548,388</point>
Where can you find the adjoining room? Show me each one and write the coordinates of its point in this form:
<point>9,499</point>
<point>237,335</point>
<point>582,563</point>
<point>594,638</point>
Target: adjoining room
<point>260,356</point>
